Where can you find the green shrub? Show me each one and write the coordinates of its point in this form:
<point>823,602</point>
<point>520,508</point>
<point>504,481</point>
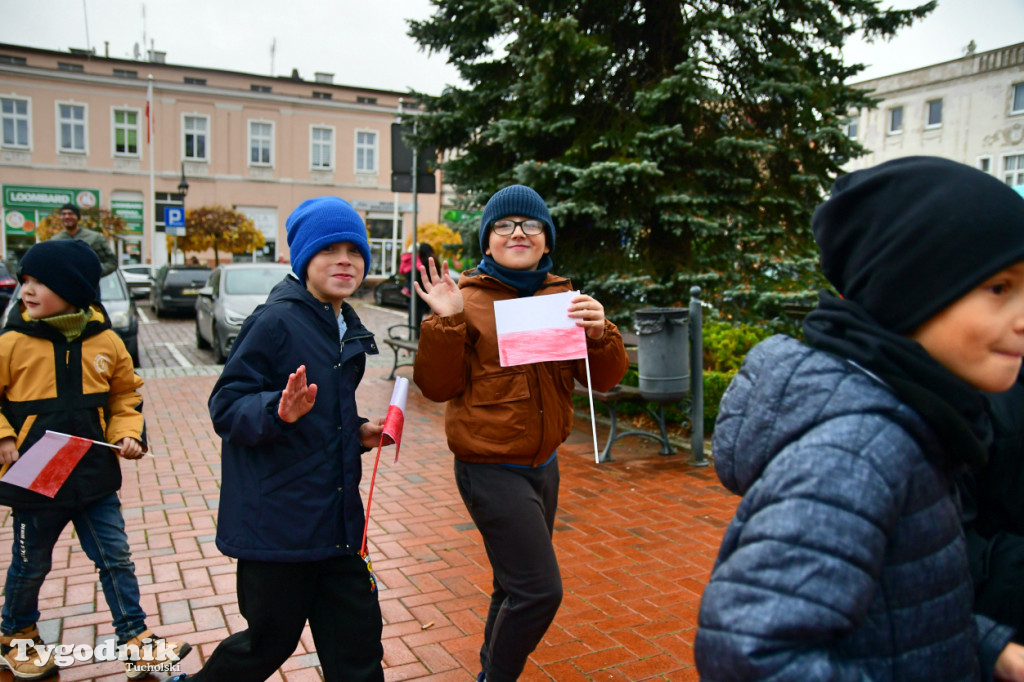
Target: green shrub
<point>725,345</point>
<point>715,384</point>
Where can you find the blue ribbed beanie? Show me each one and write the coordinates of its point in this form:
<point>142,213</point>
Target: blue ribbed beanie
<point>322,221</point>
<point>515,200</point>
<point>68,268</point>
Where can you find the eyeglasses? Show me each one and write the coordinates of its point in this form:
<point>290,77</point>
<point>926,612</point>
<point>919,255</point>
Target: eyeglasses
<point>504,228</point>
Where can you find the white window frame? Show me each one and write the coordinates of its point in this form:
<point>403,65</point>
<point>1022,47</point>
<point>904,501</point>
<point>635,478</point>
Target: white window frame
<point>928,125</point>
<point>185,133</point>
<point>1012,176</point>
<point>330,146</point>
<point>140,134</point>
<point>253,139</point>
<point>15,116</point>
<point>1017,99</point>
<point>362,147</point>
<point>982,160</point>
<point>890,114</point>
<point>60,122</point>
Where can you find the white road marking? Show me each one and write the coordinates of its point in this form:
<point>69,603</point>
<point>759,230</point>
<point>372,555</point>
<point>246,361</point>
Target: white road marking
<point>173,348</point>
<point>143,317</point>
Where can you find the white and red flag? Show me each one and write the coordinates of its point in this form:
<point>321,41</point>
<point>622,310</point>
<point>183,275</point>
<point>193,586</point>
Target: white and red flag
<point>538,329</point>
<point>395,419</point>
<point>149,111</point>
<point>45,466</point>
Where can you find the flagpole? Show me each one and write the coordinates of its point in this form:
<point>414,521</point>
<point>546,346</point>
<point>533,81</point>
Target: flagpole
<point>369,498</point>
<point>151,213</point>
<point>593,421</point>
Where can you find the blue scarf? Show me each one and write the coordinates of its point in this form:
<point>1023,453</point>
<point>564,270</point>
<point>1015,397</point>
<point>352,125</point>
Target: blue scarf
<point>525,282</point>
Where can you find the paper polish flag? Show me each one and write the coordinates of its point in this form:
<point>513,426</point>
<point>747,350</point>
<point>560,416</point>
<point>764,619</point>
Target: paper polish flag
<point>538,329</point>
<point>395,419</point>
<point>46,465</point>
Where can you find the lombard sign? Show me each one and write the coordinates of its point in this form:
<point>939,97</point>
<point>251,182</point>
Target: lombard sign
<point>24,205</point>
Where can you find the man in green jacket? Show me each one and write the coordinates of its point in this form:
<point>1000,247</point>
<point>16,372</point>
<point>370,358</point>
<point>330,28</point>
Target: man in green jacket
<point>69,215</point>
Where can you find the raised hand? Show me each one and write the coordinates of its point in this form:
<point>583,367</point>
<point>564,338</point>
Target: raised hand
<point>589,314</point>
<point>297,398</point>
<point>439,290</point>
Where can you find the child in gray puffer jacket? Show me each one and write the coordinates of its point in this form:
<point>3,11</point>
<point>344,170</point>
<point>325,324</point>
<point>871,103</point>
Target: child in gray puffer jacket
<point>846,559</point>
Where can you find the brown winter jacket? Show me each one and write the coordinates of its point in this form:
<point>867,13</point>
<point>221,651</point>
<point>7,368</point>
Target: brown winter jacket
<point>509,415</point>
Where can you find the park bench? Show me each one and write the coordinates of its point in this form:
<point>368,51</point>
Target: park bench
<point>403,342</point>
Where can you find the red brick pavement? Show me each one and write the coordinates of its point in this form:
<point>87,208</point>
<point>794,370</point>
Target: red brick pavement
<point>636,539</point>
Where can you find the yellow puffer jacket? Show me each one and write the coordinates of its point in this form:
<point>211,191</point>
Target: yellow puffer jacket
<point>508,415</point>
<point>86,387</point>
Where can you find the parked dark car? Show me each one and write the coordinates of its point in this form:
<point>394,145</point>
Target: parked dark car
<point>8,284</point>
<point>124,316</point>
<point>389,292</point>
<point>231,293</point>
<point>175,288</point>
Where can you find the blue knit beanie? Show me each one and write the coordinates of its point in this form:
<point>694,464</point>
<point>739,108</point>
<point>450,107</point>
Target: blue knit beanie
<point>515,200</point>
<point>322,221</point>
<point>68,268</point>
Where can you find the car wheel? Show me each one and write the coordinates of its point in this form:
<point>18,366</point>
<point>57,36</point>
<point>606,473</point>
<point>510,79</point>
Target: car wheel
<point>218,350</point>
<point>201,343</point>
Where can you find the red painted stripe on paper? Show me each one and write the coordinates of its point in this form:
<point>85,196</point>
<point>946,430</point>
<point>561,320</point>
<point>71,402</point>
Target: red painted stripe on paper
<point>542,345</point>
<point>57,470</point>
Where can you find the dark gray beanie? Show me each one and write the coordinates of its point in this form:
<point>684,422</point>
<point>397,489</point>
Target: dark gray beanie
<point>909,237</point>
<point>68,267</point>
<point>515,200</point>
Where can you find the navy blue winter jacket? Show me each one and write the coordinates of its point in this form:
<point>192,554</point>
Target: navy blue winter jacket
<point>290,492</point>
<point>846,559</point>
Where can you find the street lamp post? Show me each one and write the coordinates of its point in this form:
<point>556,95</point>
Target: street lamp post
<point>182,190</point>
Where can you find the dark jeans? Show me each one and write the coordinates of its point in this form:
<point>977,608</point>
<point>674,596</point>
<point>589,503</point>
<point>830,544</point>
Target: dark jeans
<point>100,528</point>
<point>514,509</point>
<point>278,598</point>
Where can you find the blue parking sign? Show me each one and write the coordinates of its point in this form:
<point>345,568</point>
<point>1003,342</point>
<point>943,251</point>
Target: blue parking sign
<point>174,220</point>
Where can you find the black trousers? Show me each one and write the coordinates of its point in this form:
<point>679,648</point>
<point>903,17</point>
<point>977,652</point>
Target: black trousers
<point>514,509</point>
<point>276,599</point>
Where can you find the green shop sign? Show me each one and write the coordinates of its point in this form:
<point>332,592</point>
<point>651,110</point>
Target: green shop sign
<point>131,212</point>
<point>24,206</point>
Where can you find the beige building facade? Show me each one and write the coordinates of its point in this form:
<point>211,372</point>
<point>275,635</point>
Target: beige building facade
<point>969,109</point>
<point>73,127</point>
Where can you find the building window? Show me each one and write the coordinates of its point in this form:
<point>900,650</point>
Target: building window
<point>194,81</point>
<point>366,151</point>
<point>851,127</point>
<point>985,164</point>
<point>71,128</point>
<point>14,122</point>
<point>366,100</point>
<point>196,130</point>
<point>322,95</point>
<point>933,118</point>
<point>1013,170</point>
<point>11,59</point>
<point>126,132</point>
<point>65,66</point>
<point>321,148</point>
<point>261,143</point>
<point>1017,100</point>
<point>895,120</point>
<point>259,88</point>
<point>125,73</point>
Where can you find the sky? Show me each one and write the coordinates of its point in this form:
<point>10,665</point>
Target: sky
<point>364,42</point>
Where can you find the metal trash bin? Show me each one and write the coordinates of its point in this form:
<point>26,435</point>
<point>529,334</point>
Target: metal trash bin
<point>663,353</point>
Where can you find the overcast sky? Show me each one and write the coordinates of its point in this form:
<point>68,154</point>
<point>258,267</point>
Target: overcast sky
<point>364,42</point>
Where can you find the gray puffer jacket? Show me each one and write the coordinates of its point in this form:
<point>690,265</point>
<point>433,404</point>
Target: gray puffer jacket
<point>846,559</point>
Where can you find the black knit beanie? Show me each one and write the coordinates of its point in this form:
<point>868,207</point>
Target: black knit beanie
<point>69,267</point>
<point>515,200</point>
<point>907,238</point>
<point>71,207</point>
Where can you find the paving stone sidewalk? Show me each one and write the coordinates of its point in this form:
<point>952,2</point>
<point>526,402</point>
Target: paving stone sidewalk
<point>636,539</point>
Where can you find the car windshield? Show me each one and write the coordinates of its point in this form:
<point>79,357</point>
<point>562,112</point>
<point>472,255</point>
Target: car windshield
<point>252,281</point>
<point>195,278</point>
<point>111,289</point>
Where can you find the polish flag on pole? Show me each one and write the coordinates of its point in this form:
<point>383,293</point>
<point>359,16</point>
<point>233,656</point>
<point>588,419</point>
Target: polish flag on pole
<point>538,329</point>
<point>395,419</point>
<point>46,465</point>
<point>149,111</point>
<point>393,423</point>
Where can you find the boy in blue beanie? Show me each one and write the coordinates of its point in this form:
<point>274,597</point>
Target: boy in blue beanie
<point>504,424</point>
<point>846,559</point>
<point>290,509</point>
<point>92,394</point>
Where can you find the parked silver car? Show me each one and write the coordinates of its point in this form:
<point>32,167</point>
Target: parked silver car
<point>139,278</point>
<point>231,293</point>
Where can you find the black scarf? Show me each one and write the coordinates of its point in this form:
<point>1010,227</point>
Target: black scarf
<point>525,282</point>
<point>954,409</point>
